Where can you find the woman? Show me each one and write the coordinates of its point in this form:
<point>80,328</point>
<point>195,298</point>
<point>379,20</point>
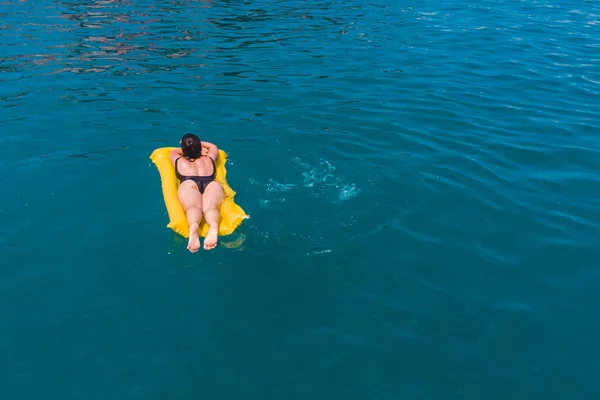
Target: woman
<point>198,192</point>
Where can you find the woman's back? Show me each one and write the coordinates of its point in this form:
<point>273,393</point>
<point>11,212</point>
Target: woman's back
<point>202,166</point>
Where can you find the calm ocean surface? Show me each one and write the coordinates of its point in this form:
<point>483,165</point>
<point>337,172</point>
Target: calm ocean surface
<point>422,178</point>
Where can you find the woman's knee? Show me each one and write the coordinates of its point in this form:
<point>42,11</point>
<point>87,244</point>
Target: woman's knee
<point>210,208</point>
<point>194,208</point>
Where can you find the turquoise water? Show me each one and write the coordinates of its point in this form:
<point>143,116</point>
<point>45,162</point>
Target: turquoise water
<point>422,180</point>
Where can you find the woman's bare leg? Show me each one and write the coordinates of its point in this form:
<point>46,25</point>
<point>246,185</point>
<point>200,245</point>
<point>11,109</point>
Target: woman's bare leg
<point>191,200</point>
<point>211,203</point>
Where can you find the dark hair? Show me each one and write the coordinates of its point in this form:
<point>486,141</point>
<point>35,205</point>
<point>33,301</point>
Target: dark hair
<point>191,146</point>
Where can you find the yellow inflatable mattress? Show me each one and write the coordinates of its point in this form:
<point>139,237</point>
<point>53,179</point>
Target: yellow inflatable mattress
<point>232,214</point>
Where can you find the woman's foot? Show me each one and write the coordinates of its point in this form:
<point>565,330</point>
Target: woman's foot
<point>210,242</point>
<point>194,241</point>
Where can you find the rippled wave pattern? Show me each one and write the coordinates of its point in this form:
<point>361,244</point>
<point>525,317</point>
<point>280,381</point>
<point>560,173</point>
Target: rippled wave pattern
<point>422,179</point>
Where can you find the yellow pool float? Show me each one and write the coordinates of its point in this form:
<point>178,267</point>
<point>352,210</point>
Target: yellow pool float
<point>232,214</point>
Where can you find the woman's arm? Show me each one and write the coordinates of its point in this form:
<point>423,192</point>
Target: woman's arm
<point>212,150</point>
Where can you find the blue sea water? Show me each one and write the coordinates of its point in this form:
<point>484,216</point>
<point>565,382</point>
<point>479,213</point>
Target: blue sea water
<point>422,179</point>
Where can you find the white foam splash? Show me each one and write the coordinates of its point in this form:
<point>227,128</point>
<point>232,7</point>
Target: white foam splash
<point>348,191</point>
<point>320,178</point>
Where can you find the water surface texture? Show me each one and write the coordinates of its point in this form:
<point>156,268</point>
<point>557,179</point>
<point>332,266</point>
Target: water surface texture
<point>422,180</point>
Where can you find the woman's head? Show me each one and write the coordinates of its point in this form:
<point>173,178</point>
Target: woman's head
<point>191,146</point>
